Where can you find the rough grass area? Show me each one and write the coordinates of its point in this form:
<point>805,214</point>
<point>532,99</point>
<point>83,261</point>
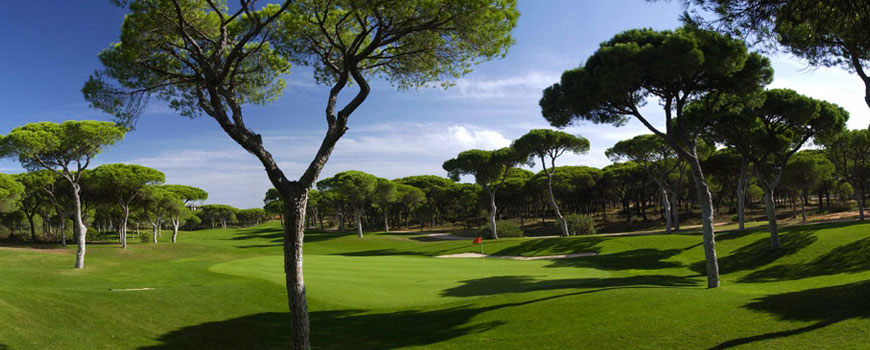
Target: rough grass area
<point>224,289</point>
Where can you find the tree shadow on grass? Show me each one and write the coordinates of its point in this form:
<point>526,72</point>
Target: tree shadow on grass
<point>850,258</point>
<point>521,284</point>
<point>532,247</point>
<point>638,259</point>
<point>4,347</point>
<point>342,329</point>
<point>825,306</point>
<point>758,253</point>
<point>276,237</point>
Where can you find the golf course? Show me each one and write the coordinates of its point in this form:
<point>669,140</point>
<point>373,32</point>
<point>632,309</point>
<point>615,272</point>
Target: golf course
<point>224,289</point>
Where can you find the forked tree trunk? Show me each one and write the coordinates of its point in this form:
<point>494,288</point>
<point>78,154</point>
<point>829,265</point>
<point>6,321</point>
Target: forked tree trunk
<point>176,222</point>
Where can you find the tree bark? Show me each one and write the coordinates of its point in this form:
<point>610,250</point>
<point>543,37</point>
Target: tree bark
<point>770,209</point>
<point>386,221</point>
<point>803,209</point>
<point>859,196</point>
<point>175,224</point>
<point>62,228</point>
<point>32,228</point>
<point>81,230</point>
<point>705,201</point>
<point>563,226</point>
<point>294,213</point>
<point>122,229</point>
<point>741,197</point>
<point>357,213</point>
<point>666,205</point>
<point>492,212</point>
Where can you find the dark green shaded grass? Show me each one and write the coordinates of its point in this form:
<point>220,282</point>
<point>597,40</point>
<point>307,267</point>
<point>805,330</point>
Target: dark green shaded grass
<point>224,289</point>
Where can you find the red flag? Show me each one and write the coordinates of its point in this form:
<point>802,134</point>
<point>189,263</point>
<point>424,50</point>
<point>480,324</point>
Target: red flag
<point>478,240</point>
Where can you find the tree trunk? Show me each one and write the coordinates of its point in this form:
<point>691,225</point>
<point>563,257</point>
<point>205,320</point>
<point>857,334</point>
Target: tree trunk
<point>706,203</point>
<point>175,224</point>
<point>492,212</point>
<point>770,208</point>
<point>386,221</point>
<point>563,226</point>
<point>675,210</point>
<point>803,209</point>
<point>666,205</point>
<point>80,229</point>
<point>32,228</point>
<point>122,229</point>
<point>62,229</point>
<point>294,214</point>
<point>357,213</point>
<point>153,233</point>
<point>859,196</point>
<point>341,221</point>
<point>741,197</point>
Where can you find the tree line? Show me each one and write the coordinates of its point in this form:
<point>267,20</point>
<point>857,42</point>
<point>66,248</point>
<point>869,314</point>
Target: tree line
<point>59,189</point>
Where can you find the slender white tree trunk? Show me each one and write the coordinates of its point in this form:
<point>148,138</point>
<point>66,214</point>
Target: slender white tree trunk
<point>80,229</point>
<point>358,214</point>
<point>563,226</point>
<point>492,212</point>
<point>667,208</point>
<point>176,222</point>
<point>706,202</point>
<point>770,209</point>
<point>386,221</point>
<point>122,230</point>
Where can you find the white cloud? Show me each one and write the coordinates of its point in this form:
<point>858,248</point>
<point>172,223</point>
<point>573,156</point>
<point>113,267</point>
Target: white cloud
<point>522,88</point>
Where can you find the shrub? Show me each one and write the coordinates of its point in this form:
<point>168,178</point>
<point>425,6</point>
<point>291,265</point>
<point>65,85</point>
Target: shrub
<point>505,229</point>
<point>145,237</point>
<point>579,224</point>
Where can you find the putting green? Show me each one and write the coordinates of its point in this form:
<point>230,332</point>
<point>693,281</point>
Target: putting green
<point>395,281</point>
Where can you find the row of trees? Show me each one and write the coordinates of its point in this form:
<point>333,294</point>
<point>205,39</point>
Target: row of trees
<point>646,176</point>
<point>59,186</point>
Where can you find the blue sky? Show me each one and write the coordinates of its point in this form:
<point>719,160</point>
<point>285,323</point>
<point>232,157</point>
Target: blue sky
<point>393,134</point>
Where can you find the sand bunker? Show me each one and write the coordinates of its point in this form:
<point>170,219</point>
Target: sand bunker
<point>129,289</point>
<point>544,257</point>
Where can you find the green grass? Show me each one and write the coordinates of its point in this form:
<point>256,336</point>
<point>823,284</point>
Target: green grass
<point>224,289</point>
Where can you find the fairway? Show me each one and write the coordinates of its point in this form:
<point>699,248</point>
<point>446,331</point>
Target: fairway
<point>224,289</point>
